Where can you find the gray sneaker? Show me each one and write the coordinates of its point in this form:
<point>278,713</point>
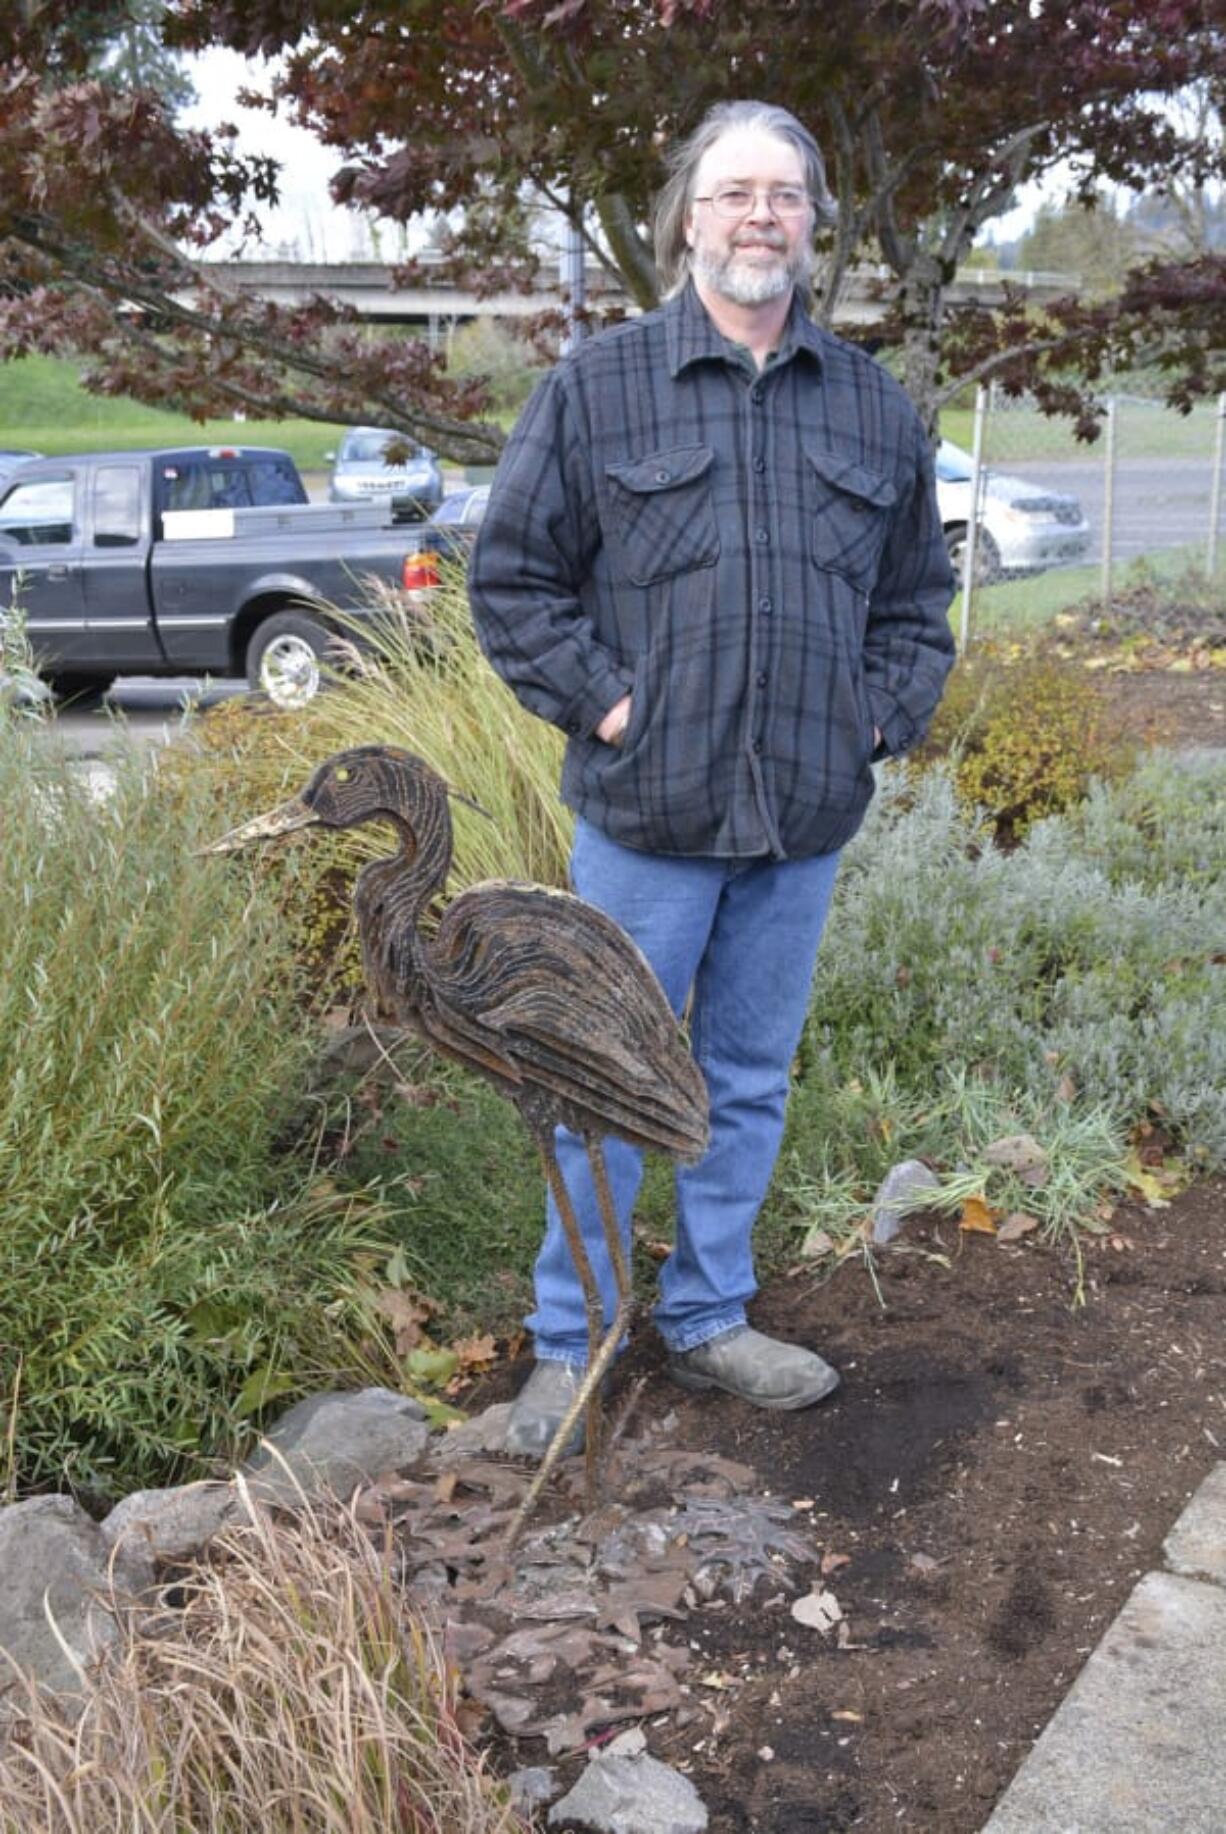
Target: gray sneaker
<point>755,1368</point>
<point>540,1407</point>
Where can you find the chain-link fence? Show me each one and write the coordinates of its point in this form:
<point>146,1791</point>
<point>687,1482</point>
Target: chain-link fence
<point>1059,521</point>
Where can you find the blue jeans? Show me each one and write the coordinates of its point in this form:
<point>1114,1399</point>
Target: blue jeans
<point>744,935</point>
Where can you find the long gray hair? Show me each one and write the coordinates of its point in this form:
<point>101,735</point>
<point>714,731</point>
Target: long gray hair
<point>672,251</point>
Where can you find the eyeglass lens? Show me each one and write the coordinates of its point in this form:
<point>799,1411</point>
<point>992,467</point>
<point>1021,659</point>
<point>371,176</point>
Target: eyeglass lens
<point>737,200</point>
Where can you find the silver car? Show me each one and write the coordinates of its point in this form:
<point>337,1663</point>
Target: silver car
<point>361,473</point>
<point>1023,528</point>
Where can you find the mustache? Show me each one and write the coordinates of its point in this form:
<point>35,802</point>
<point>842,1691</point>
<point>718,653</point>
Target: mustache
<point>770,238</point>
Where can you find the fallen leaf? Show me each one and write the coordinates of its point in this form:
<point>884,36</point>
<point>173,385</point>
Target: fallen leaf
<point>474,1353</point>
<point>817,1242</point>
<point>1016,1153</point>
<point>1017,1224</point>
<point>846,1713</point>
<point>832,1562</point>
<point>1066,1089</point>
<point>444,1489</point>
<point>977,1217</point>
<point>818,1610</point>
<point>408,1312</point>
<point>1152,1186</point>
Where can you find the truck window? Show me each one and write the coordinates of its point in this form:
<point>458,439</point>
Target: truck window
<point>204,484</point>
<point>117,506</point>
<point>275,481</point>
<point>40,513</point>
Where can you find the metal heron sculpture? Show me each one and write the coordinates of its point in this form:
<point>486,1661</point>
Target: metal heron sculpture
<point>534,989</point>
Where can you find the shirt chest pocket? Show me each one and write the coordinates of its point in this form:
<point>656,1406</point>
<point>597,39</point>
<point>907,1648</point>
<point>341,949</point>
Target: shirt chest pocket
<point>849,515</point>
<point>662,514</point>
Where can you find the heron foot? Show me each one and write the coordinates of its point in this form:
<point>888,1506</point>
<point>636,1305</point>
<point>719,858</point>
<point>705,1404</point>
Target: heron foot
<point>756,1368</point>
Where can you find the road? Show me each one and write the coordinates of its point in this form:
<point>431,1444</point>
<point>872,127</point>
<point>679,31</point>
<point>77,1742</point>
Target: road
<point>1159,503</point>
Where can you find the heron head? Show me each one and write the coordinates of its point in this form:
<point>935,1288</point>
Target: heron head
<point>354,786</point>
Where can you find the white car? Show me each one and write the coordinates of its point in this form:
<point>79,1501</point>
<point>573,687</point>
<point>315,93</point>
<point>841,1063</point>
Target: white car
<point>1023,528</point>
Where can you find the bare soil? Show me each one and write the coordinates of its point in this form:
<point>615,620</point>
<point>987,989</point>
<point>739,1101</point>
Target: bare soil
<point>999,1467</point>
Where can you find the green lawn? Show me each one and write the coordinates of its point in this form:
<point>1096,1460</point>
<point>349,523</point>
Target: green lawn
<point>1141,430</point>
<point>1022,603</point>
<point>43,405</point>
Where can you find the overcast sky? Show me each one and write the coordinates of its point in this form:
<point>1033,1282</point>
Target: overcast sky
<point>306,215</point>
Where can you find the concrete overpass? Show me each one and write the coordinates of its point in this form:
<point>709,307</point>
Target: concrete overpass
<point>437,306</point>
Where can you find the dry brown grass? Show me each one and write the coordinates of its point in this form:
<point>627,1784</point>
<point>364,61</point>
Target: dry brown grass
<point>288,1688</point>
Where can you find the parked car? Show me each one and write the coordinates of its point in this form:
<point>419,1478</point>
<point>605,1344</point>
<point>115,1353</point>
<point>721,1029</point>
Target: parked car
<point>1023,528</point>
<point>191,560</point>
<point>462,509</point>
<point>10,458</point>
<point>362,474</point>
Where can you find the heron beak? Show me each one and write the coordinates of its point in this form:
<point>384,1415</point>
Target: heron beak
<point>284,820</point>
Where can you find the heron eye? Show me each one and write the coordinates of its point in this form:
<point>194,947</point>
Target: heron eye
<point>341,774</point>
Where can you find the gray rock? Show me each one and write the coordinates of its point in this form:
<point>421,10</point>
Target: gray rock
<point>1196,1546</point>
<point>532,1787</point>
<point>1136,1747</point>
<point>172,1524</point>
<point>485,1432</point>
<point>58,1565</point>
<point>906,1187</point>
<point>632,1796</point>
<point>336,1442</point>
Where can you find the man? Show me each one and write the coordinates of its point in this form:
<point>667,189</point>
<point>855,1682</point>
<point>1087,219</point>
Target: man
<point>712,556</point>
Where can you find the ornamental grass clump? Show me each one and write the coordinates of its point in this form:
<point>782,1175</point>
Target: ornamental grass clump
<point>284,1685</point>
<point>1070,989</point>
<point>166,1267</point>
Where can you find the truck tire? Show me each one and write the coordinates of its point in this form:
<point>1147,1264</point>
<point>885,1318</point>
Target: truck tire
<point>283,658</point>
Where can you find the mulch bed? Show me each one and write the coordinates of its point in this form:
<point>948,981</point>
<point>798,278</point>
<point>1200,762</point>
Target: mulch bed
<point>999,1467</point>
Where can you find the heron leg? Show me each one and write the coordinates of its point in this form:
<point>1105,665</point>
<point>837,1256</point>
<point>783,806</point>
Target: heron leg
<point>601,1350</point>
<point>592,1301</point>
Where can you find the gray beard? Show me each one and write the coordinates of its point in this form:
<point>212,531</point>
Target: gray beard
<point>750,286</point>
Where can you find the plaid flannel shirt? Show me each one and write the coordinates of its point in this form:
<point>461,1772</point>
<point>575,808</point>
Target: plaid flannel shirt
<point>756,558</point>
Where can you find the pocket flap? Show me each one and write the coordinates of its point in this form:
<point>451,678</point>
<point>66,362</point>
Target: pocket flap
<point>846,475</point>
<point>663,470</point>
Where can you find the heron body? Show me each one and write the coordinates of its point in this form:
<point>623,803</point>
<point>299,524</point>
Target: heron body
<point>534,989</point>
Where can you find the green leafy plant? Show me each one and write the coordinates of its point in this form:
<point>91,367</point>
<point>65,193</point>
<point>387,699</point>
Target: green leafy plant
<point>1025,733</point>
<point>1069,988</point>
<point>167,1268</point>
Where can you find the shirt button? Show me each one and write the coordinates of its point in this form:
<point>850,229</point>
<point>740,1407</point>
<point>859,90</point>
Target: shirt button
<point>755,395</point>
<point>765,607</point>
<point>757,745</point>
<point>759,464</point>
<point>662,477</point>
<point>761,535</point>
<point>762,679</point>
<point>572,726</point>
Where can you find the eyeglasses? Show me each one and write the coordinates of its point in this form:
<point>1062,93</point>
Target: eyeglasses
<point>738,200</point>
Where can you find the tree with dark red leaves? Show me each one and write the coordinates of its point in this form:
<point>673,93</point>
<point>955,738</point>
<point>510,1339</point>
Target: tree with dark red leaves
<point>931,116</point>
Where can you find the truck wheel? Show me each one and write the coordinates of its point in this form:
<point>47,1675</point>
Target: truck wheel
<point>283,658</point>
<point>81,691</point>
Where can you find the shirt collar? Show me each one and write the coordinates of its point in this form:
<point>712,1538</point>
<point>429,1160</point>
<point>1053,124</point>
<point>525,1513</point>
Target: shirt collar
<point>692,335</point>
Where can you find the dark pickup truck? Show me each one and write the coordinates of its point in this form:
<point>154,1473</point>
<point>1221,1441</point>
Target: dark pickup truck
<point>191,561</point>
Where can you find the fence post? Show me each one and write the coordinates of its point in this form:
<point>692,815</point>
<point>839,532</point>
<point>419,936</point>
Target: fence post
<point>972,521</point>
<point>1108,502</point>
<point>1215,488</point>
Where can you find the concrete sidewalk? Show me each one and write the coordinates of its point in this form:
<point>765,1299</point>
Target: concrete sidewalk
<point>1139,1744</point>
